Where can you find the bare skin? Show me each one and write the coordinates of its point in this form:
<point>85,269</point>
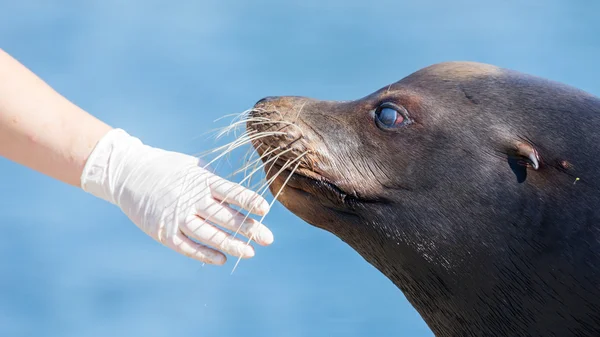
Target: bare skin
<point>41,129</point>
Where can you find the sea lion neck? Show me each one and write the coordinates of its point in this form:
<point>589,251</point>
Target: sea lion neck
<point>462,290</point>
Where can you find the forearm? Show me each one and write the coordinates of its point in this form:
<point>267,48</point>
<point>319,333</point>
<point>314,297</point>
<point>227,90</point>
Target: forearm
<point>41,129</point>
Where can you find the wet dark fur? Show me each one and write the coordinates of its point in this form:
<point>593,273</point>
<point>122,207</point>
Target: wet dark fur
<point>479,244</point>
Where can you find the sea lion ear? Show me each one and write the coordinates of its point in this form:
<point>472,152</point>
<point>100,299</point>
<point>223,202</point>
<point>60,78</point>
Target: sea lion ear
<point>527,151</point>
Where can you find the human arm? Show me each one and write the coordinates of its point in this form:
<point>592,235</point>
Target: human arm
<point>167,194</point>
<point>41,129</point>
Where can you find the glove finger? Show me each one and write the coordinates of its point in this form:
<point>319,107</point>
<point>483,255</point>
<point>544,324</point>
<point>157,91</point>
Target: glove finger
<point>204,232</point>
<point>184,245</point>
<point>236,221</point>
<point>236,194</point>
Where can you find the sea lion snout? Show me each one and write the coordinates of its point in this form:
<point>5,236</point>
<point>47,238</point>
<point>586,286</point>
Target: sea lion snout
<point>273,114</point>
<point>266,100</point>
<point>281,104</point>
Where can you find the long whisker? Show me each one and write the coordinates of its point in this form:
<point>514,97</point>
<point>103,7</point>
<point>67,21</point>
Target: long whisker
<point>239,144</point>
<point>268,121</point>
<point>249,140</point>
<point>235,123</point>
<point>277,195</point>
<point>275,176</point>
<point>299,111</point>
<point>268,152</point>
<point>231,145</point>
<point>219,148</point>
<point>256,165</point>
<point>249,154</point>
<point>246,178</point>
<point>238,122</point>
<point>237,117</point>
<point>256,162</point>
<point>236,144</point>
<point>252,165</point>
<point>248,164</point>
<point>268,161</point>
<point>241,182</point>
<point>226,130</point>
<point>286,123</point>
<point>229,176</point>
<point>265,185</point>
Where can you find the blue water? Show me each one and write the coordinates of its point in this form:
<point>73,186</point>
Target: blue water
<point>73,265</point>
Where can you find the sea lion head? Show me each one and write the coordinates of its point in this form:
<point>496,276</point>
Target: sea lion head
<point>447,181</point>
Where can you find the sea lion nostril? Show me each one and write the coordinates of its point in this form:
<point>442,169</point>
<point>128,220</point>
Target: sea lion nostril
<point>266,100</point>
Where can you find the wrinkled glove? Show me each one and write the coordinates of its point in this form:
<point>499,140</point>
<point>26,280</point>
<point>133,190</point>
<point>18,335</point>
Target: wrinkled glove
<point>172,198</point>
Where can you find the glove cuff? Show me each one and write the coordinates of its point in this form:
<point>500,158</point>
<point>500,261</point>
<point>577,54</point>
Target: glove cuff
<point>105,163</point>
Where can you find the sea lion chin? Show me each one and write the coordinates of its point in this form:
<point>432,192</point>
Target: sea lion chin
<point>475,189</point>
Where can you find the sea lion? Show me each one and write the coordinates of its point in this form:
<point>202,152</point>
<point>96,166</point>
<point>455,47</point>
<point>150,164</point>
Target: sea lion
<point>475,189</point>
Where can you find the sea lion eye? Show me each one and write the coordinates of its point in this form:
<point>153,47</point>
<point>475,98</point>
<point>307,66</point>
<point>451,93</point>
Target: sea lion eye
<point>389,115</point>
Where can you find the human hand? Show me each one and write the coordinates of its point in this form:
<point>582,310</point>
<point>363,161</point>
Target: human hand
<point>173,199</point>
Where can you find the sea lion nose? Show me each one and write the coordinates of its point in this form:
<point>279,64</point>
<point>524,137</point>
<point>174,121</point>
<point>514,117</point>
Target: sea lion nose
<point>266,100</point>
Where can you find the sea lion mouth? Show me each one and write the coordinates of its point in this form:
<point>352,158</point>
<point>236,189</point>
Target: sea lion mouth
<point>309,181</point>
<point>316,180</point>
<point>316,185</point>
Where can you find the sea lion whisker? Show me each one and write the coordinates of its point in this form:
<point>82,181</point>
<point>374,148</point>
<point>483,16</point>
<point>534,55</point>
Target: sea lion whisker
<point>263,163</point>
<point>250,163</point>
<point>254,112</point>
<point>289,176</point>
<point>246,159</point>
<point>256,164</point>
<point>288,163</point>
<point>230,175</point>
<point>281,120</point>
<point>230,115</point>
<point>235,125</point>
<point>255,137</point>
<point>273,159</point>
<point>238,115</point>
<point>250,154</point>
<point>228,128</point>
<point>267,183</point>
<point>288,145</point>
<point>275,122</point>
<point>264,188</point>
<point>299,111</point>
<point>227,150</point>
<point>208,218</point>
<point>241,183</point>
<point>221,147</point>
<point>195,179</point>
<point>236,144</point>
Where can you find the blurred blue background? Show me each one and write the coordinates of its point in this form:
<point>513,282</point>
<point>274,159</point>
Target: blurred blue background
<point>73,265</point>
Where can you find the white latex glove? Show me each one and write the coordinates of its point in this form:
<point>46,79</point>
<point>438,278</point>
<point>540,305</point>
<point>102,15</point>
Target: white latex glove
<point>169,196</point>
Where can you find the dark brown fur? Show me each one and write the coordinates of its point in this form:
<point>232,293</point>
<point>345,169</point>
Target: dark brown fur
<point>448,208</point>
